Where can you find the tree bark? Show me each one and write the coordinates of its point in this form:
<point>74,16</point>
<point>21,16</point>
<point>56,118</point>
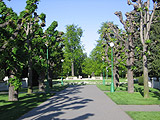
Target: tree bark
<point>145,72</point>
<point>41,82</point>
<point>130,62</point>
<point>116,76</point>
<point>30,90</point>
<point>72,68</point>
<point>13,94</point>
<point>50,78</point>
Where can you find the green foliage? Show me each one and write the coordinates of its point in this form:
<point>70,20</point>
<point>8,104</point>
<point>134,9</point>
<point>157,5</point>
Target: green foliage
<point>154,47</point>
<point>55,46</point>
<point>15,81</point>
<point>138,49</point>
<point>141,80</point>
<point>140,9</point>
<point>148,41</point>
<point>31,5</point>
<point>73,50</point>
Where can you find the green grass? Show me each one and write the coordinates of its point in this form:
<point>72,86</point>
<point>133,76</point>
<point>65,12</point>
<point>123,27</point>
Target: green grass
<point>104,87</point>
<point>122,97</point>
<point>144,115</point>
<point>125,98</point>
<point>13,110</point>
<point>107,88</point>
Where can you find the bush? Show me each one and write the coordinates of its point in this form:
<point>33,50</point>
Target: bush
<point>140,80</point>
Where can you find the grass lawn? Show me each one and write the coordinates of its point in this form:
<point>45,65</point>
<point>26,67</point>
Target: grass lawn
<point>125,98</point>
<point>122,97</point>
<point>107,88</point>
<point>13,110</point>
<point>144,115</point>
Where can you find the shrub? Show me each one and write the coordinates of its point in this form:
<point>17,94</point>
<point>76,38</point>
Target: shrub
<point>140,80</point>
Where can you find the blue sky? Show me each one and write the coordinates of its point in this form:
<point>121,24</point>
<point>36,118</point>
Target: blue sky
<point>87,14</point>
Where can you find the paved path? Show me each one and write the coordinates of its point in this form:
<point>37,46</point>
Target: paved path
<point>78,103</point>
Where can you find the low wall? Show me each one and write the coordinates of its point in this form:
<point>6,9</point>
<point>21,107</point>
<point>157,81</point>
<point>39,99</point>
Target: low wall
<point>97,78</point>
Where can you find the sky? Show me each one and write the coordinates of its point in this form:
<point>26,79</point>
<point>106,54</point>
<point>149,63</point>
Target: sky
<point>87,14</point>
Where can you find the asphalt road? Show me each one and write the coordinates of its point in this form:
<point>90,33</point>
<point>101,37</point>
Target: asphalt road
<point>78,103</point>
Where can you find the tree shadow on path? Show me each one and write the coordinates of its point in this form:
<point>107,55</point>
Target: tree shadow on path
<point>66,100</point>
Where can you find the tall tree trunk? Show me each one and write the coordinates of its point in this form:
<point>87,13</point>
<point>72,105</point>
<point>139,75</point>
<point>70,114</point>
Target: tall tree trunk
<point>41,81</point>
<point>72,68</point>
<point>30,89</point>
<point>50,78</point>
<point>130,62</point>
<point>130,80</point>
<point>145,72</point>
<point>116,76</point>
<point>13,94</point>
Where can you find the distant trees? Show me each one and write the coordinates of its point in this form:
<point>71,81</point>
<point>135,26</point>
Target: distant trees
<point>73,50</point>
<point>94,63</point>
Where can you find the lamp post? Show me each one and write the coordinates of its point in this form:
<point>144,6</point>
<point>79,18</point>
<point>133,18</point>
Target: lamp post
<point>62,72</point>
<point>103,72</point>
<point>112,84</point>
<point>47,84</point>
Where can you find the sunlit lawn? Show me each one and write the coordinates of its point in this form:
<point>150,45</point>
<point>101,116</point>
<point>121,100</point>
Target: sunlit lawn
<point>122,97</point>
<point>144,115</point>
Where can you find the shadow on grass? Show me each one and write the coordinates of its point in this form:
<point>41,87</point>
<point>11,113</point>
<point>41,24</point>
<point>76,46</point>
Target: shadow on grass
<point>138,88</point>
<point>13,110</point>
<point>153,92</point>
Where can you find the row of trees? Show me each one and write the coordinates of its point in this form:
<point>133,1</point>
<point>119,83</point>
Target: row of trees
<point>24,46</point>
<point>26,49</point>
<point>136,48</point>
<point>133,41</point>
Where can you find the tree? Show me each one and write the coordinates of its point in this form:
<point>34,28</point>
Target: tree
<point>97,58</point>
<point>146,17</point>
<point>131,28</point>
<point>111,33</point>
<point>73,50</point>
<point>154,57</point>
<point>12,46</point>
<point>30,26</point>
<point>55,48</point>
<point>87,66</point>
